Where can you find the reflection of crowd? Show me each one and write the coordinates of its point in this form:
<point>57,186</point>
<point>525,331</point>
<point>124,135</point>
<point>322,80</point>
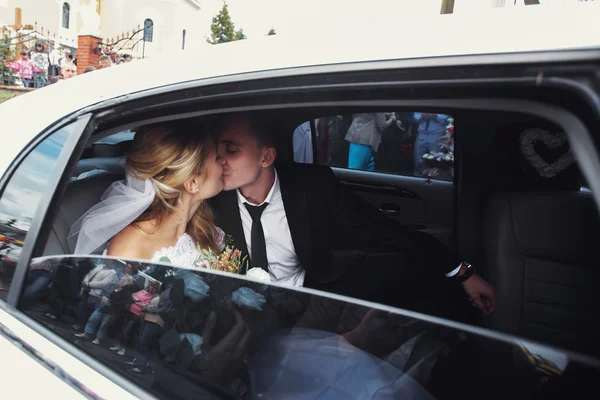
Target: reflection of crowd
<point>233,332</point>
<point>418,144</point>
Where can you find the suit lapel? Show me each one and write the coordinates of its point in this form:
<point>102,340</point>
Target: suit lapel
<point>295,204</point>
<point>228,219</point>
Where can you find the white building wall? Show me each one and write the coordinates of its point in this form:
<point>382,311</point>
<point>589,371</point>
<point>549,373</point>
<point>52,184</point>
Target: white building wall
<point>170,17</point>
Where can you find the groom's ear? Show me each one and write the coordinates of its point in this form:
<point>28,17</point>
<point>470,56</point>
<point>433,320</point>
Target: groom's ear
<point>268,156</point>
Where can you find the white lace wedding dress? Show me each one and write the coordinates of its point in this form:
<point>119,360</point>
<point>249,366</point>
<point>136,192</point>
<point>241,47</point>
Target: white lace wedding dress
<point>185,253</point>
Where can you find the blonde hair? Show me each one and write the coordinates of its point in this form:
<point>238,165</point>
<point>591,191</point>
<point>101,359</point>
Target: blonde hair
<point>169,157</point>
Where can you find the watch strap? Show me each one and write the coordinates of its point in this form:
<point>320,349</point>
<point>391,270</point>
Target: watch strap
<point>468,273</point>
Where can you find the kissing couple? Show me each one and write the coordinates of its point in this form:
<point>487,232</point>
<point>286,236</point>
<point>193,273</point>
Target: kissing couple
<point>184,189</point>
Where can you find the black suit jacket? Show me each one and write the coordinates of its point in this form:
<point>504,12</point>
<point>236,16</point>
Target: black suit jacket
<point>327,223</point>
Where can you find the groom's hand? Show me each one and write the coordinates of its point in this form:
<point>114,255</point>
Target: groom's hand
<point>481,294</point>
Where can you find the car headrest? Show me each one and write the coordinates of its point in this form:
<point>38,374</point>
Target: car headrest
<point>106,150</point>
<point>534,155</point>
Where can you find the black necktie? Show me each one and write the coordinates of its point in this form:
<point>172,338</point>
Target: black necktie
<point>257,237</point>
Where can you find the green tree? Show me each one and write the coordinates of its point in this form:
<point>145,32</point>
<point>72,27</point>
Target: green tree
<point>271,32</point>
<point>6,55</point>
<point>222,29</point>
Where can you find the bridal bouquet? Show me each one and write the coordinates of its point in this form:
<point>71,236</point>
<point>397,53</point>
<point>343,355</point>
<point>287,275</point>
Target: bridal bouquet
<point>229,260</point>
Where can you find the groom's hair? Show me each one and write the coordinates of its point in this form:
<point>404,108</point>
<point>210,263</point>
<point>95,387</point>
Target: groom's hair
<point>262,126</point>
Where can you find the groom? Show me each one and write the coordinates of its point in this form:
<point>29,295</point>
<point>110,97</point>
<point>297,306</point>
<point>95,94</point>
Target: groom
<point>299,224</point>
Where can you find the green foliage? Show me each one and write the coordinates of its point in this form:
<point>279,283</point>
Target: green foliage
<point>222,29</point>
<point>271,32</point>
<point>239,35</point>
<point>6,55</point>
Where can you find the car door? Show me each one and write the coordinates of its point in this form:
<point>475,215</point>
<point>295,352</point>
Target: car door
<point>28,187</point>
<point>407,171</point>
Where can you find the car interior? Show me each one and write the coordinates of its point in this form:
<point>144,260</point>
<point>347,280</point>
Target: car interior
<point>532,237</point>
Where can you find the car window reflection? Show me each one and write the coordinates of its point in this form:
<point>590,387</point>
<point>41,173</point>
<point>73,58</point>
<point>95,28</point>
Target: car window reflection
<point>20,199</point>
<point>195,332</point>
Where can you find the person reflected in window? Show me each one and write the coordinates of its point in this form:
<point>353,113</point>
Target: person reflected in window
<point>364,136</point>
<point>99,282</point>
<point>152,330</point>
<point>430,128</point>
<point>100,320</point>
<point>141,300</point>
<point>39,276</point>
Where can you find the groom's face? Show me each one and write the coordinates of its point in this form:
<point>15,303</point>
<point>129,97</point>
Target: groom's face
<point>244,158</point>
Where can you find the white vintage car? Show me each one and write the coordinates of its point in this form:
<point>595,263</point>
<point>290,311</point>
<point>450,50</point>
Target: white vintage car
<point>510,180</point>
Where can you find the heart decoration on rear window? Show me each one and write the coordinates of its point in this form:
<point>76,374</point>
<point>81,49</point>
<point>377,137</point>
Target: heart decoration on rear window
<point>552,141</point>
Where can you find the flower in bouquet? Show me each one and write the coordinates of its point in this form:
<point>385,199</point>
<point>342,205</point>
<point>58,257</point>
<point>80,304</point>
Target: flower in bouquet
<point>229,260</point>
<point>258,274</point>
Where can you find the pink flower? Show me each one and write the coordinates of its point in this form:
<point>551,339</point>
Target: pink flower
<point>219,238</point>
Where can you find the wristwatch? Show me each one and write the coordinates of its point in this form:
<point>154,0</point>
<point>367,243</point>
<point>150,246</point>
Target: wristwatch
<point>467,274</point>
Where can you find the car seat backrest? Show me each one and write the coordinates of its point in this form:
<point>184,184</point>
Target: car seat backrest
<point>539,239</point>
<point>80,196</point>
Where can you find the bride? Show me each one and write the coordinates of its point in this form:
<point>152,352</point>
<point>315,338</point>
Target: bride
<point>159,210</point>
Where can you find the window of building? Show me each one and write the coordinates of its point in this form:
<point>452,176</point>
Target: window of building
<point>66,15</point>
<point>402,143</point>
<point>148,30</point>
<point>183,40</point>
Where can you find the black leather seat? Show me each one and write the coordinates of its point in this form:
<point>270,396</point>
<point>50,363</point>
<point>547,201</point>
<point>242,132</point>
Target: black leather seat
<point>91,177</point>
<point>79,197</point>
<point>540,252</point>
<point>540,237</point>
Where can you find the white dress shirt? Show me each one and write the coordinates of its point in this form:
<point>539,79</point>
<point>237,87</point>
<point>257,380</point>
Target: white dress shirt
<point>284,266</point>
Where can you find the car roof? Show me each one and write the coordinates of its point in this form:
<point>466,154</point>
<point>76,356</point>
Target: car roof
<point>488,33</point>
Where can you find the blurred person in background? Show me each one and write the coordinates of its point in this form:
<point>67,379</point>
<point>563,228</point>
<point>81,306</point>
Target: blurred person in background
<point>68,70</point>
<point>26,68</point>
<point>364,136</point>
<point>104,62</point>
<point>40,59</point>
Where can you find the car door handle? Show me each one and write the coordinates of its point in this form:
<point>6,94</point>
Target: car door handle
<point>389,209</point>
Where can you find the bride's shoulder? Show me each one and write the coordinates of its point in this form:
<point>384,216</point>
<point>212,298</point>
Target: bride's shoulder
<point>127,243</point>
